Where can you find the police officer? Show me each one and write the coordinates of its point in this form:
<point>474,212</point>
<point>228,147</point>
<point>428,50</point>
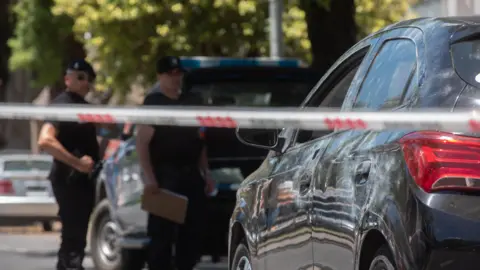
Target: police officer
<point>174,158</point>
<point>75,150</point>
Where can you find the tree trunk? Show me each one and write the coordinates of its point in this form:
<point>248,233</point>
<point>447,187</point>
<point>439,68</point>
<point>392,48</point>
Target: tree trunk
<point>6,29</point>
<point>5,33</point>
<point>331,32</point>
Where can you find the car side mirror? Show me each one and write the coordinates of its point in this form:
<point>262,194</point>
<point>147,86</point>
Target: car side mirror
<point>261,138</point>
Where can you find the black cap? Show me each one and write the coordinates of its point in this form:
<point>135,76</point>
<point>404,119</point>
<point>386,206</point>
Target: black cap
<point>169,63</point>
<point>82,65</point>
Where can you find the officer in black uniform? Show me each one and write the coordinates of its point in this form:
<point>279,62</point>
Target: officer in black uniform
<point>75,150</point>
<point>174,158</point>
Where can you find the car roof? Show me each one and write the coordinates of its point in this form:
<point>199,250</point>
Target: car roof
<point>439,84</point>
<point>434,24</point>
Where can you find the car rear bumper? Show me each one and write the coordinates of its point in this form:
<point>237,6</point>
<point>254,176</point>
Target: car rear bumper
<point>28,207</point>
<point>451,235</point>
<point>454,259</point>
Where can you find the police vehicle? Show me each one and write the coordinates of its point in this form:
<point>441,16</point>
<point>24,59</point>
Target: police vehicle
<point>118,225</point>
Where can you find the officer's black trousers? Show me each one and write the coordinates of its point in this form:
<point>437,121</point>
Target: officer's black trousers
<point>187,238</point>
<point>75,202</point>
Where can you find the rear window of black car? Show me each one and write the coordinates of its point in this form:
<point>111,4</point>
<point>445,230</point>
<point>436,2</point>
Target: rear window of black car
<point>466,60</point>
<point>262,87</point>
<point>259,94</point>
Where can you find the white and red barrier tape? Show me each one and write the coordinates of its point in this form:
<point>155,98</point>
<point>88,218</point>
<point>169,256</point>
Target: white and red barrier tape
<point>310,118</point>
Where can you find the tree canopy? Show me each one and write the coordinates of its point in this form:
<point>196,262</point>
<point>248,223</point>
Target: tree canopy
<point>39,40</point>
<point>124,37</point>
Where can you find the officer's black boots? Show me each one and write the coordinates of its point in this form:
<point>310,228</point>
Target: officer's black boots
<point>70,261</point>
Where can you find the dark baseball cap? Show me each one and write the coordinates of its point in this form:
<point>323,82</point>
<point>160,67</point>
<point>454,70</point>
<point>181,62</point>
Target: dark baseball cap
<point>169,63</point>
<point>84,66</point>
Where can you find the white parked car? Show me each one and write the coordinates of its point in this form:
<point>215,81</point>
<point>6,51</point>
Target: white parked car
<point>26,194</point>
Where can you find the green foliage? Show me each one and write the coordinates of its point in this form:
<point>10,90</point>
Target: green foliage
<point>38,41</point>
<point>373,15</point>
<point>124,37</point>
<point>127,36</point>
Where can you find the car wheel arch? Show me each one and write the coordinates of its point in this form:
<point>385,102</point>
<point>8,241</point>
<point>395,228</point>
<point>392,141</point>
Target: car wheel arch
<point>373,235</point>
<point>373,240</point>
<point>100,190</point>
<point>237,236</point>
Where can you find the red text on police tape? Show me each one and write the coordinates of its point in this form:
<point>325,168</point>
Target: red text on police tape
<point>208,121</point>
<point>474,125</point>
<point>345,123</point>
<point>95,118</point>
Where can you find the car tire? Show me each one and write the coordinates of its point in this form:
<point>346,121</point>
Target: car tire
<point>105,255</point>
<point>383,260</point>
<point>47,226</point>
<point>105,252</point>
<point>242,260</point>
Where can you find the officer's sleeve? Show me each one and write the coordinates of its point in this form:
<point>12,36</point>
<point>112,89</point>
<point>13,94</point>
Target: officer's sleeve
<point>151,100</point>
<point>59,125</point>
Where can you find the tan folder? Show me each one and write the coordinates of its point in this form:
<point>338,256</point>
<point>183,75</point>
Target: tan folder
<point>166,204</point>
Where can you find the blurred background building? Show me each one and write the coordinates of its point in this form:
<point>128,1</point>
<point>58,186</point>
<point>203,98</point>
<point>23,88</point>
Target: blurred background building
<point>437,8</point>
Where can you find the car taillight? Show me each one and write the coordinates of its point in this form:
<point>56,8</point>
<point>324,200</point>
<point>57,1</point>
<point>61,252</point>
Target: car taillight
<point>442,161</point>
<point>6,186</point>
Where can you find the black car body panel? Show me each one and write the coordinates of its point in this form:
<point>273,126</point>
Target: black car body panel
<point>331,199</point>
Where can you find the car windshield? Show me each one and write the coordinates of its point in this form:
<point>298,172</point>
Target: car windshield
<point>26,165</point>
<point>258,94</point>
<point>466,60</point>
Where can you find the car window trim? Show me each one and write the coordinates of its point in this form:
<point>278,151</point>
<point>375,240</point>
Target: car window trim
<point>340,72</point>
<point>383,42</point>
<point>407,85</point>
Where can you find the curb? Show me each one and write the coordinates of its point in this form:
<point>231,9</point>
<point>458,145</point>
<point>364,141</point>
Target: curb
<point>33,253</point>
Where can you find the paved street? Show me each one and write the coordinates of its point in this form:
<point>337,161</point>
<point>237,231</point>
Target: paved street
<point>37,252</point>
<point>21,261</point>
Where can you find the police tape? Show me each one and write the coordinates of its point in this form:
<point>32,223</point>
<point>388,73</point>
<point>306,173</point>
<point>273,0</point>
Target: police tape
<point>248,117</point>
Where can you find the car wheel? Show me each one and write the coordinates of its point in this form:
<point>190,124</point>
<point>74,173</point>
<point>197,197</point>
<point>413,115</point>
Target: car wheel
<point>47,226</point>
<point>105,251</point>
<point>103,236</point>
<point>383,260</point>
<point>241,260</point>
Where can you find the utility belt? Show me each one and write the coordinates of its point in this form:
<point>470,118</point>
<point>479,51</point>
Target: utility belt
<point>77,177</point>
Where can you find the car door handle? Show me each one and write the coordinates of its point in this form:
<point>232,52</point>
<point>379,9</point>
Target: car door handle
<point>362,171</point>
<point>304,187</point>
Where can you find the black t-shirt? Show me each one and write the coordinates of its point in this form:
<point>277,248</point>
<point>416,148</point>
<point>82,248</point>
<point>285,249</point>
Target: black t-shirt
<point>173,145</point>
<point>78,138</point>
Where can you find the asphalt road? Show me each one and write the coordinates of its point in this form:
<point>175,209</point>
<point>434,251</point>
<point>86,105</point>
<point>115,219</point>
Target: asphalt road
<point>38,251</point>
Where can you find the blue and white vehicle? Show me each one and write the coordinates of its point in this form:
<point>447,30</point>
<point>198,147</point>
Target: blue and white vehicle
<point>118,225</point>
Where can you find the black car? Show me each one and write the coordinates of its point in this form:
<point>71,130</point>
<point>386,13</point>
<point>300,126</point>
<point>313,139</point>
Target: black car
<point>370,200</point>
